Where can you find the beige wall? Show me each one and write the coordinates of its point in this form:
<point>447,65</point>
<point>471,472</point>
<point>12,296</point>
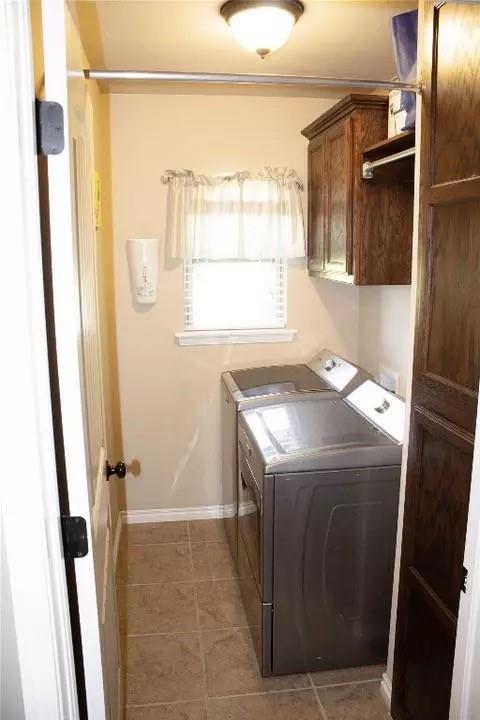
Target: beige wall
<point>384,330</point>
<point>169,394</point>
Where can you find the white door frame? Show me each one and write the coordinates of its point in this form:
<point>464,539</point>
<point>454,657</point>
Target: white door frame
<point>29,493</point>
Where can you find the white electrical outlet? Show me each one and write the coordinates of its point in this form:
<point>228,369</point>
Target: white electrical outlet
<point>389,379</point>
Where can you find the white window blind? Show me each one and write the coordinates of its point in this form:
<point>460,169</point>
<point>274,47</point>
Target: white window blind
<point>235,294</point>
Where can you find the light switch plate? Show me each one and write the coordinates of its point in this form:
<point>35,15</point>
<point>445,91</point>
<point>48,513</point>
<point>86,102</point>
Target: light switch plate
<point>388,379</point>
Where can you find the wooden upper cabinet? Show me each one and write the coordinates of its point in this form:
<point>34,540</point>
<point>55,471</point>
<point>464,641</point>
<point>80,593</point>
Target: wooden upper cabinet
<point>359,231</point>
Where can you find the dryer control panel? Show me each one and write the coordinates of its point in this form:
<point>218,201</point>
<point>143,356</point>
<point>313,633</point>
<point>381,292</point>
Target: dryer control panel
<point>384,410</point>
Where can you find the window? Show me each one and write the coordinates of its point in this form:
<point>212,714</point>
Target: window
<point>235,234</point>
<point>235,294</point>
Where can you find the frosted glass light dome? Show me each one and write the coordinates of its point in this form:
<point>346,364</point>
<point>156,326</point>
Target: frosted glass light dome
<point>261,26</point>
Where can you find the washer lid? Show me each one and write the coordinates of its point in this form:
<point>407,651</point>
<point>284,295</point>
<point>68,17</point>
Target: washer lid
<point>277,380</point>
<point>317,434</point>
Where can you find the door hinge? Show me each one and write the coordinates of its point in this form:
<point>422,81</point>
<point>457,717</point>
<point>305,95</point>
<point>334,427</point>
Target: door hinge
<point>75,538</point>
<point>50,127</point>
<point>464,579</point>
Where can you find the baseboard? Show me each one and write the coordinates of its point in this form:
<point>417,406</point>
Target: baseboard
<point>386,690</point>
<point>116,539</point>
<point>206,512</point>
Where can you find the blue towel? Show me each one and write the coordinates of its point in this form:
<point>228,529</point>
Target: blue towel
<point>404,33</point>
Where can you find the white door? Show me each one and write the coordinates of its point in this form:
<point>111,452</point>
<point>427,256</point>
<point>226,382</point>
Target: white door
<point>74,279</point>
<point>82,174</point>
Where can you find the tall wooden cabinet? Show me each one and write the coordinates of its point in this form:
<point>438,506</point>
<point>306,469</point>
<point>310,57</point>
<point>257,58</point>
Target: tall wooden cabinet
<point>446,369</point>
<point>359,231</point>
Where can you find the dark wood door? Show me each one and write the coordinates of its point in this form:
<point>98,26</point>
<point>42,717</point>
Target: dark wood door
<point>316,204</point>
<point>446,367</point>
<point>338,198</point>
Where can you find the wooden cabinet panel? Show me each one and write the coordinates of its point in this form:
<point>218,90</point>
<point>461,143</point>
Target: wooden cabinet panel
<point>454,294</point>
<point>316,208</point>
<point>359,231</point>
<point>446,369</point>
<point>427,676</point>
<point>440,534</point>
<point>456,138</point>
<point>338,201</point>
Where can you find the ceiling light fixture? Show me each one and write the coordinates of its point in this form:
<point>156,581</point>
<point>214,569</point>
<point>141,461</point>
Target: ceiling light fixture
<point>261,25</point>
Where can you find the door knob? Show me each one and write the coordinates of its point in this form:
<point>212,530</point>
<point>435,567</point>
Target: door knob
<point>120,470</point>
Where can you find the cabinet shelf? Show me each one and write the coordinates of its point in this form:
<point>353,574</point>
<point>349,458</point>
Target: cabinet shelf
<point>391,145</point>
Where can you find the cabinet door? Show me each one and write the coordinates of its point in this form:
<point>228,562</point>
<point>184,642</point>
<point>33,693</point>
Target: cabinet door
<point>338,255</point>
<point>446,368</point>
<point>316,205</point>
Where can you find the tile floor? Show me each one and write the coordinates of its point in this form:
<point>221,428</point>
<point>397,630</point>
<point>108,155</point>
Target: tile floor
<point>186,647</point>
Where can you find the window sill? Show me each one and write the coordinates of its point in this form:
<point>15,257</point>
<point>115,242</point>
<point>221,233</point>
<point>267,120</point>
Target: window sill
<point>235,337</point>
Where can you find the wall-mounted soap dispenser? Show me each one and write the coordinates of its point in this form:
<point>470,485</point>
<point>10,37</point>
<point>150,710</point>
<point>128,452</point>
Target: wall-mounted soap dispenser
<point>143,257</point>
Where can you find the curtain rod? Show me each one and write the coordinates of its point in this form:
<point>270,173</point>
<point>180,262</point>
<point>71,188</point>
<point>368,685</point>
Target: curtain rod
<point>247,79</point>
<point>368,167</point>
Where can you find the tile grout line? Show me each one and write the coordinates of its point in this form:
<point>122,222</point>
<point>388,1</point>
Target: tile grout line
<point>322,710</point>
<point>160,584</point>
<point>167,703</point>
<point>180,582</point>
<point>172,542</point>
<point>279,691</point>
<point>162,634</point>
<point>346,684</point>
<point>195,632</point>
<point>197,612</point>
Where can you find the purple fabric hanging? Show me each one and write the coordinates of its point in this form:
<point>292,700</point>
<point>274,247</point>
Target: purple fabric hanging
<point>404,34</point>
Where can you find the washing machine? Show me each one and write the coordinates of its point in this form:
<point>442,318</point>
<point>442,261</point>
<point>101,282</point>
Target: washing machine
<point>326,373</point>
<point>318,501</point>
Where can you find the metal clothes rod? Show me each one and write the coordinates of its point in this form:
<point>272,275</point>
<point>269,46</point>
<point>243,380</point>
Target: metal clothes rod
<point>368,167</point>
<point>247,79</point>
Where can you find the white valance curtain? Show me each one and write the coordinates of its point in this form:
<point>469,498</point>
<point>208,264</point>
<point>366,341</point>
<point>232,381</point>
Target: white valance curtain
<point>241,216</point>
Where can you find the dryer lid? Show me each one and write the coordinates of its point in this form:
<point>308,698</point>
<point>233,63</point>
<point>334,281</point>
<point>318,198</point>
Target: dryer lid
<point>310,427</point>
